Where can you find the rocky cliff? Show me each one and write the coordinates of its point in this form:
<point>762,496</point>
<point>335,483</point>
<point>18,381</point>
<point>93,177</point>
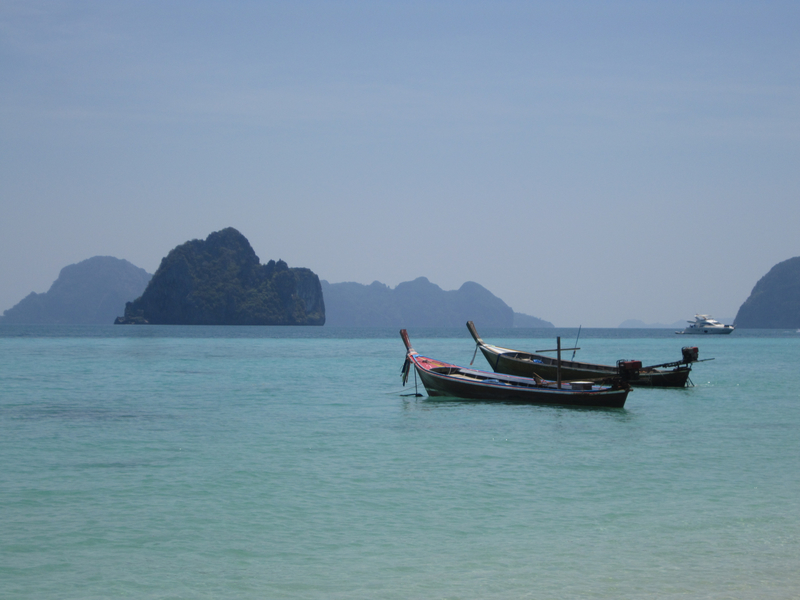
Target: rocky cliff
<point>774,302</point>
<point>417,303</point>
<point>220,281</point>
<point>93,291</point>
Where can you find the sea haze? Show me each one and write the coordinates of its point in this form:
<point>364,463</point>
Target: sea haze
<point>290,463</point>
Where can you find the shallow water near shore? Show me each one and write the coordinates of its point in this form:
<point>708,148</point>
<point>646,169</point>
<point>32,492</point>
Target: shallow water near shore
<point>180,462</point>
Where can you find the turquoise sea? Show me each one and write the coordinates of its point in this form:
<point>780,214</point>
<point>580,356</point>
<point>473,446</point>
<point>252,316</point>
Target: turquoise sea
<point>287,463</point>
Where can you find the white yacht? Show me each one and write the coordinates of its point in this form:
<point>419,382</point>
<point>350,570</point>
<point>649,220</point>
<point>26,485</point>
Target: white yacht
<point>705,324</point>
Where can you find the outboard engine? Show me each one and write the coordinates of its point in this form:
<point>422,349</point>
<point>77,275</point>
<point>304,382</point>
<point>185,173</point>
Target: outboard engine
<point>690,354</point>
<point>629,369</point>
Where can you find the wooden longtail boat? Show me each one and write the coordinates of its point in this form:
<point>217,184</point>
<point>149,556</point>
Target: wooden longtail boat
<point>444,379</point>
<point>527,364</point>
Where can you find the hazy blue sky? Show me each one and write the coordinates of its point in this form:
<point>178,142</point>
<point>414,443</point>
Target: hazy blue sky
<point>587,162</point>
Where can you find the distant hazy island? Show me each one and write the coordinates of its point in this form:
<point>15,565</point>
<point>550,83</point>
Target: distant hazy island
<point>418,303</point>
<point>774,302</point>
<point>220,281</point>
<point>93,291</point>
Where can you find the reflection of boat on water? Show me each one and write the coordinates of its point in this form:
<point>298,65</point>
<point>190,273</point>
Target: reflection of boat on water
<point>703,324</point>
<point>525,364</point>
<point>443,379</point>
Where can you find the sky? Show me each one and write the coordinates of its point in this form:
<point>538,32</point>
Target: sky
<point>587,162</point>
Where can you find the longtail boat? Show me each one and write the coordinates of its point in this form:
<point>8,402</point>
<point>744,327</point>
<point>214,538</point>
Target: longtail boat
<point>528,364</point>
<point>444,379</point>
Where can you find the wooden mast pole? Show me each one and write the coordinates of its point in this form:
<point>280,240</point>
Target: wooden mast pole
<point>558,349</point>
<point>558,367</point>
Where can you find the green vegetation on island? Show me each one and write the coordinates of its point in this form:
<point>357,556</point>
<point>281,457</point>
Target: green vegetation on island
<point>220,281</point>
<point>93,291</point>
<point>774,302</point>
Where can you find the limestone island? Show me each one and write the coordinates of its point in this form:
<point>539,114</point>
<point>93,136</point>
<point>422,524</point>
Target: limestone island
<point>774,302</point>
<point>220,281</point>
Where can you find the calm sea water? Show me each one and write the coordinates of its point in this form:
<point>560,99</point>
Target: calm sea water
<point>170,462</point>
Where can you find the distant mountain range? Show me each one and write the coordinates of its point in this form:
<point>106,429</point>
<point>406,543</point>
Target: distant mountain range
<point>92,291</point>
<point>418,303</point>
<point>205,282</point>
<point>220,281</point>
